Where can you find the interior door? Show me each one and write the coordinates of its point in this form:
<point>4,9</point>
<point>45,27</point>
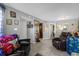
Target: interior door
<point>40,30</point>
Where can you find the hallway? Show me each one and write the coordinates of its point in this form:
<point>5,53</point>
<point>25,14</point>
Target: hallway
<point>45,48</point>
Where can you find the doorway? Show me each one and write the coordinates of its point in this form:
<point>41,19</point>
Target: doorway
<point>39,31</point>
<point>53,29</point>
<point>52,32</point>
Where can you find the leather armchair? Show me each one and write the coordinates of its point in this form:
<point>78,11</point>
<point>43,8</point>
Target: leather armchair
<point>24,48</point>
<point>60,42</point>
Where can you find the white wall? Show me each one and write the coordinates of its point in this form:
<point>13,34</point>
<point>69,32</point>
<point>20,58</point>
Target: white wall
<point>31,32</point>
<point>70,27</point>
<point>47,25</point>
<point>22,31</point>
<point>22,28</point>
<point>46,30</point>
<point>10,28</point>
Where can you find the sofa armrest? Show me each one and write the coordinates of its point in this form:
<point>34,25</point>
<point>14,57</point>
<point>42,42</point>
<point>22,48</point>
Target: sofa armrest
<point>24,42</point>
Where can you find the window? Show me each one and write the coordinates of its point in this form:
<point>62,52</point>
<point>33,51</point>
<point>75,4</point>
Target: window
<point>1,21</point>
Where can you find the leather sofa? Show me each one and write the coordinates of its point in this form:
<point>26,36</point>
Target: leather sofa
<point>60,42</point>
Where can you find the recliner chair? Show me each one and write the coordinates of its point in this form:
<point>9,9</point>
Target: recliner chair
<point>60,42</point>
<point>24,48</point>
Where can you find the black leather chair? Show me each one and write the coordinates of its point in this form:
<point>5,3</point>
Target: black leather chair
<point>60,42</point>
<point>24,48</point>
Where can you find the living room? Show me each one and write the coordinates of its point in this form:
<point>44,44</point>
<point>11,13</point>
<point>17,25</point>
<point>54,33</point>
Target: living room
<point>46,29</point>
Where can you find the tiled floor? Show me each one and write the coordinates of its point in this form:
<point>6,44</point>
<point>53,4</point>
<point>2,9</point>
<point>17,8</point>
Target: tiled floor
<point>45,48</point>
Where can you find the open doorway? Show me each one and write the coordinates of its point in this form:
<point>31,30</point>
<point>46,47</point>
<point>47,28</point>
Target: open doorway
<point>52,32</point>
<point>39,31</point>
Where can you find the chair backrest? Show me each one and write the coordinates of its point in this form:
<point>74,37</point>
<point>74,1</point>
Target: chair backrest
<point>16,36</point>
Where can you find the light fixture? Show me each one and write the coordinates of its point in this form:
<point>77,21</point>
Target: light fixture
<point>64,27</point>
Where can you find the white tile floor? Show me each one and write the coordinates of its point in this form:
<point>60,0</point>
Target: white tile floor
<point>45,48</point>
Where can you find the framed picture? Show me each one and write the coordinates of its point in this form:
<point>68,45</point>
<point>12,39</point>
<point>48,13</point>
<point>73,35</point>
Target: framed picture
<point>13,14</point>
<point>9,21</point>
<point>29,25</point>
<point>16,22</point>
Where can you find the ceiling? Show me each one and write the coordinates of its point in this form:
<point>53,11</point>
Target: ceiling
<point>49,11</point>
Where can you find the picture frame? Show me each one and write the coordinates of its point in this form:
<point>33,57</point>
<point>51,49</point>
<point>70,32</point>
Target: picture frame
<point>12,14</point>
<point>29,25</point>
<point>9,21</point>
<point>16,22</point>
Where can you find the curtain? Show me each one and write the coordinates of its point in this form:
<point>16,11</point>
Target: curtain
<point>1,20</point>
